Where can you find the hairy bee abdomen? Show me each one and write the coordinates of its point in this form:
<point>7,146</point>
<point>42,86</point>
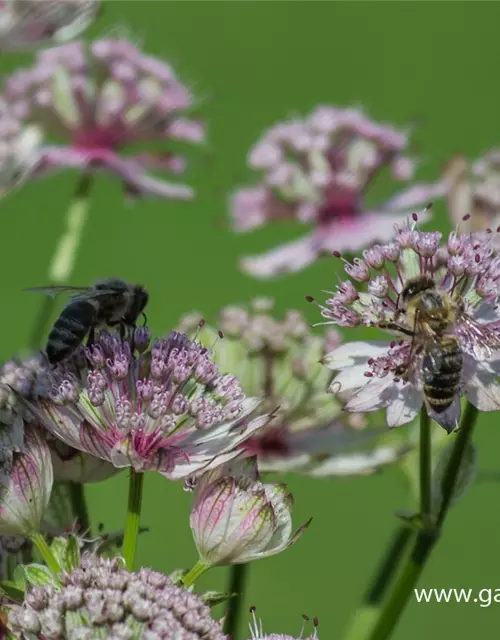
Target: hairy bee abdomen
<point>70,329</point>
<point>441,372</point>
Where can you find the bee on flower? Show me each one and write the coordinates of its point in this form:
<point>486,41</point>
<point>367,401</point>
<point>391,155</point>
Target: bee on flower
<point>442,303</point>
<point>317,170</point>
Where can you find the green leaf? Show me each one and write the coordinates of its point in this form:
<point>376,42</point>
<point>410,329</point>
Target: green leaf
<point>58,548</point>
<point>466,475</point>
<point>71,558</point>
<point>11,590</point>
<point>19,577</point>
<point>39,575</point>
<point>211,598</point>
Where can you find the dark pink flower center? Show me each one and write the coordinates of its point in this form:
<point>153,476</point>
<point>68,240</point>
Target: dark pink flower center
<point>339,203</point>
<point>273,443</point>
<point>106,138</point>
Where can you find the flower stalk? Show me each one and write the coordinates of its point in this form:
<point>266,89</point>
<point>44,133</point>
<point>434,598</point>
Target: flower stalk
<point>194,573</point>
<point>426,538</point>
<point>46,552</point>
<point>79,506</point>
<point>425,466</point>
<point>237,581</point>
<point>133,517</point>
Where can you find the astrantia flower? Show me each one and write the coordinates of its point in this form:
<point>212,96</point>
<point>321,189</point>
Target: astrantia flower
<point>26,24</point>
<point>474,191</point>
<point>278,359</point>
<point>19,149</point>
<point>257,631</point>
<point>235,518</point>
<point>393,375</point>
<point>317,170</point>
<point>100,599</point>
<point>168,408</point>
<point>25,486</point>
<point>96,101</point>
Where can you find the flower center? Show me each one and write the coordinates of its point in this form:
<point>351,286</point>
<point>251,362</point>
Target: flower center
<point>271,444</point>
<point>339,203</point>
<point>396,362</point>
<point>108,138</point>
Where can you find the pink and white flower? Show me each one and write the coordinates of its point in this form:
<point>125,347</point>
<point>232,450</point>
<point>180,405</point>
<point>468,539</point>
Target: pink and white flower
<point>167,408</point>
<point>317,170</point>
<point>257,630</point>
<point>389,375</point>
<point>97,100</point>
<point>235,518</point>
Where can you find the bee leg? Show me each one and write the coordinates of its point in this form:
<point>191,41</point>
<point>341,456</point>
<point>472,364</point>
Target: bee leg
<point>392,326</point>
<point>122,330</point>
<point>91,336</point>
<point>145,319</point>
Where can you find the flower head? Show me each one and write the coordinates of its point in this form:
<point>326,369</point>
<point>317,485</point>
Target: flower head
<point>277,358</point>
<point>99,99</point>
<point>26,24</point>
<point>101,599</point>
<point>450,336</point>
<point>474,191</point>
<point>235,518</point>
<point>25,486</point>
<point>257,631</point>
<point>167,408</point>
<point>317,170</point>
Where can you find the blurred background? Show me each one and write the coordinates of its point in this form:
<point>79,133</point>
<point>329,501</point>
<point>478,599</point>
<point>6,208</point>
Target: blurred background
<point>253,64</point>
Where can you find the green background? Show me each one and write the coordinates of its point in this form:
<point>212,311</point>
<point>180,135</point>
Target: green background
<point>252,64</point>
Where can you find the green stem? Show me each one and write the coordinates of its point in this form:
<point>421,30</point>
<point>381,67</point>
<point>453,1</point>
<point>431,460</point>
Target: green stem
<point>133,517</point>
<point>46,553</point>
<point>64,256</point>
<point>365,616</point>
<point>194,573</point>
<point>427,538</point>
<point>79,507</point>
<point>237,580</point>
<point>425,466</point>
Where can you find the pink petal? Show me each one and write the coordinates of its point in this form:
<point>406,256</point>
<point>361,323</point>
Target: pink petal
<point>415,196</point>
<point>287,258</point>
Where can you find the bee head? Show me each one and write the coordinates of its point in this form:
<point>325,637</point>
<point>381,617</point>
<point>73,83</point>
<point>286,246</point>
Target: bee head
<point>417,285</point>
<point>138,303</point>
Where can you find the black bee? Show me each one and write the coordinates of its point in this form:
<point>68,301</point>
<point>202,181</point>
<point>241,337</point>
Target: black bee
<point>109,302</point>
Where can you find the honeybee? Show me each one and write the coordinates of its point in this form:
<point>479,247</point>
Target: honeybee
<point>109,302</point>
<point>431,316</point>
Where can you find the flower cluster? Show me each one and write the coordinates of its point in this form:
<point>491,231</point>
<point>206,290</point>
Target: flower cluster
<point>452,332</point>
<point>98,100</point>
<point>278,359</point>
<point>257,630</point>
<point>317,170</point>
<point>101,599</point>
<point>167,408</point>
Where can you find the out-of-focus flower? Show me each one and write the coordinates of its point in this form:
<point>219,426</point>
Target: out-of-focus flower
<point>101,599</point>
<point>168,408</point>
<point>464,277</point>
<point>235,518</point>
<point>26,24</point>
<point>278,359</point>
<point>257,630</point>
<point>71,465</point>
<point>317,170</point>
<point>19,149</point>
<point>97,100</point>
<point>25,486</point>
<point>474,191</point>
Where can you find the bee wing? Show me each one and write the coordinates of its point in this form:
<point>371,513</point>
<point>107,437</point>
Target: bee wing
<point>55,290</point>
<point>478,338</point>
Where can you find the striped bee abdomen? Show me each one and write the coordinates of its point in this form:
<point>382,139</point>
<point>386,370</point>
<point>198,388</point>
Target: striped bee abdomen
<point>441,372</point>
<point>70,329</point>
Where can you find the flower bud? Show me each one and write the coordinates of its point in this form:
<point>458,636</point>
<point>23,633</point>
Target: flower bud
<point>25,486</point>
<point>235,518</point>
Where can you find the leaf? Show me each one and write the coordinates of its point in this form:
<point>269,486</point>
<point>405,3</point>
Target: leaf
<point>58,548</point>
<point>71,558</point>
<point>465,477</point>
<point>11,590</point>
<point>211,598</point>
<point>19,577</point>
<point>39,575</point>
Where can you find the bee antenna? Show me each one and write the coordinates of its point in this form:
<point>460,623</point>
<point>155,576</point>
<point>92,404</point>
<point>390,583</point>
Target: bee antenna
<point>145,319</point>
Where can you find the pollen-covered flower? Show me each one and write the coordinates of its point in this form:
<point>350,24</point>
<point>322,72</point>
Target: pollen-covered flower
<point>235,518</point>
<point>317,170</point>
<point>257,630</point>
<point>95,101</point>
<point>100,599</point>
<point>443,302</point>
<point>277,358</point>
<point>474,191</point>
<point>25,486</point>
<point>167,408</point>
<point>26,24</point>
